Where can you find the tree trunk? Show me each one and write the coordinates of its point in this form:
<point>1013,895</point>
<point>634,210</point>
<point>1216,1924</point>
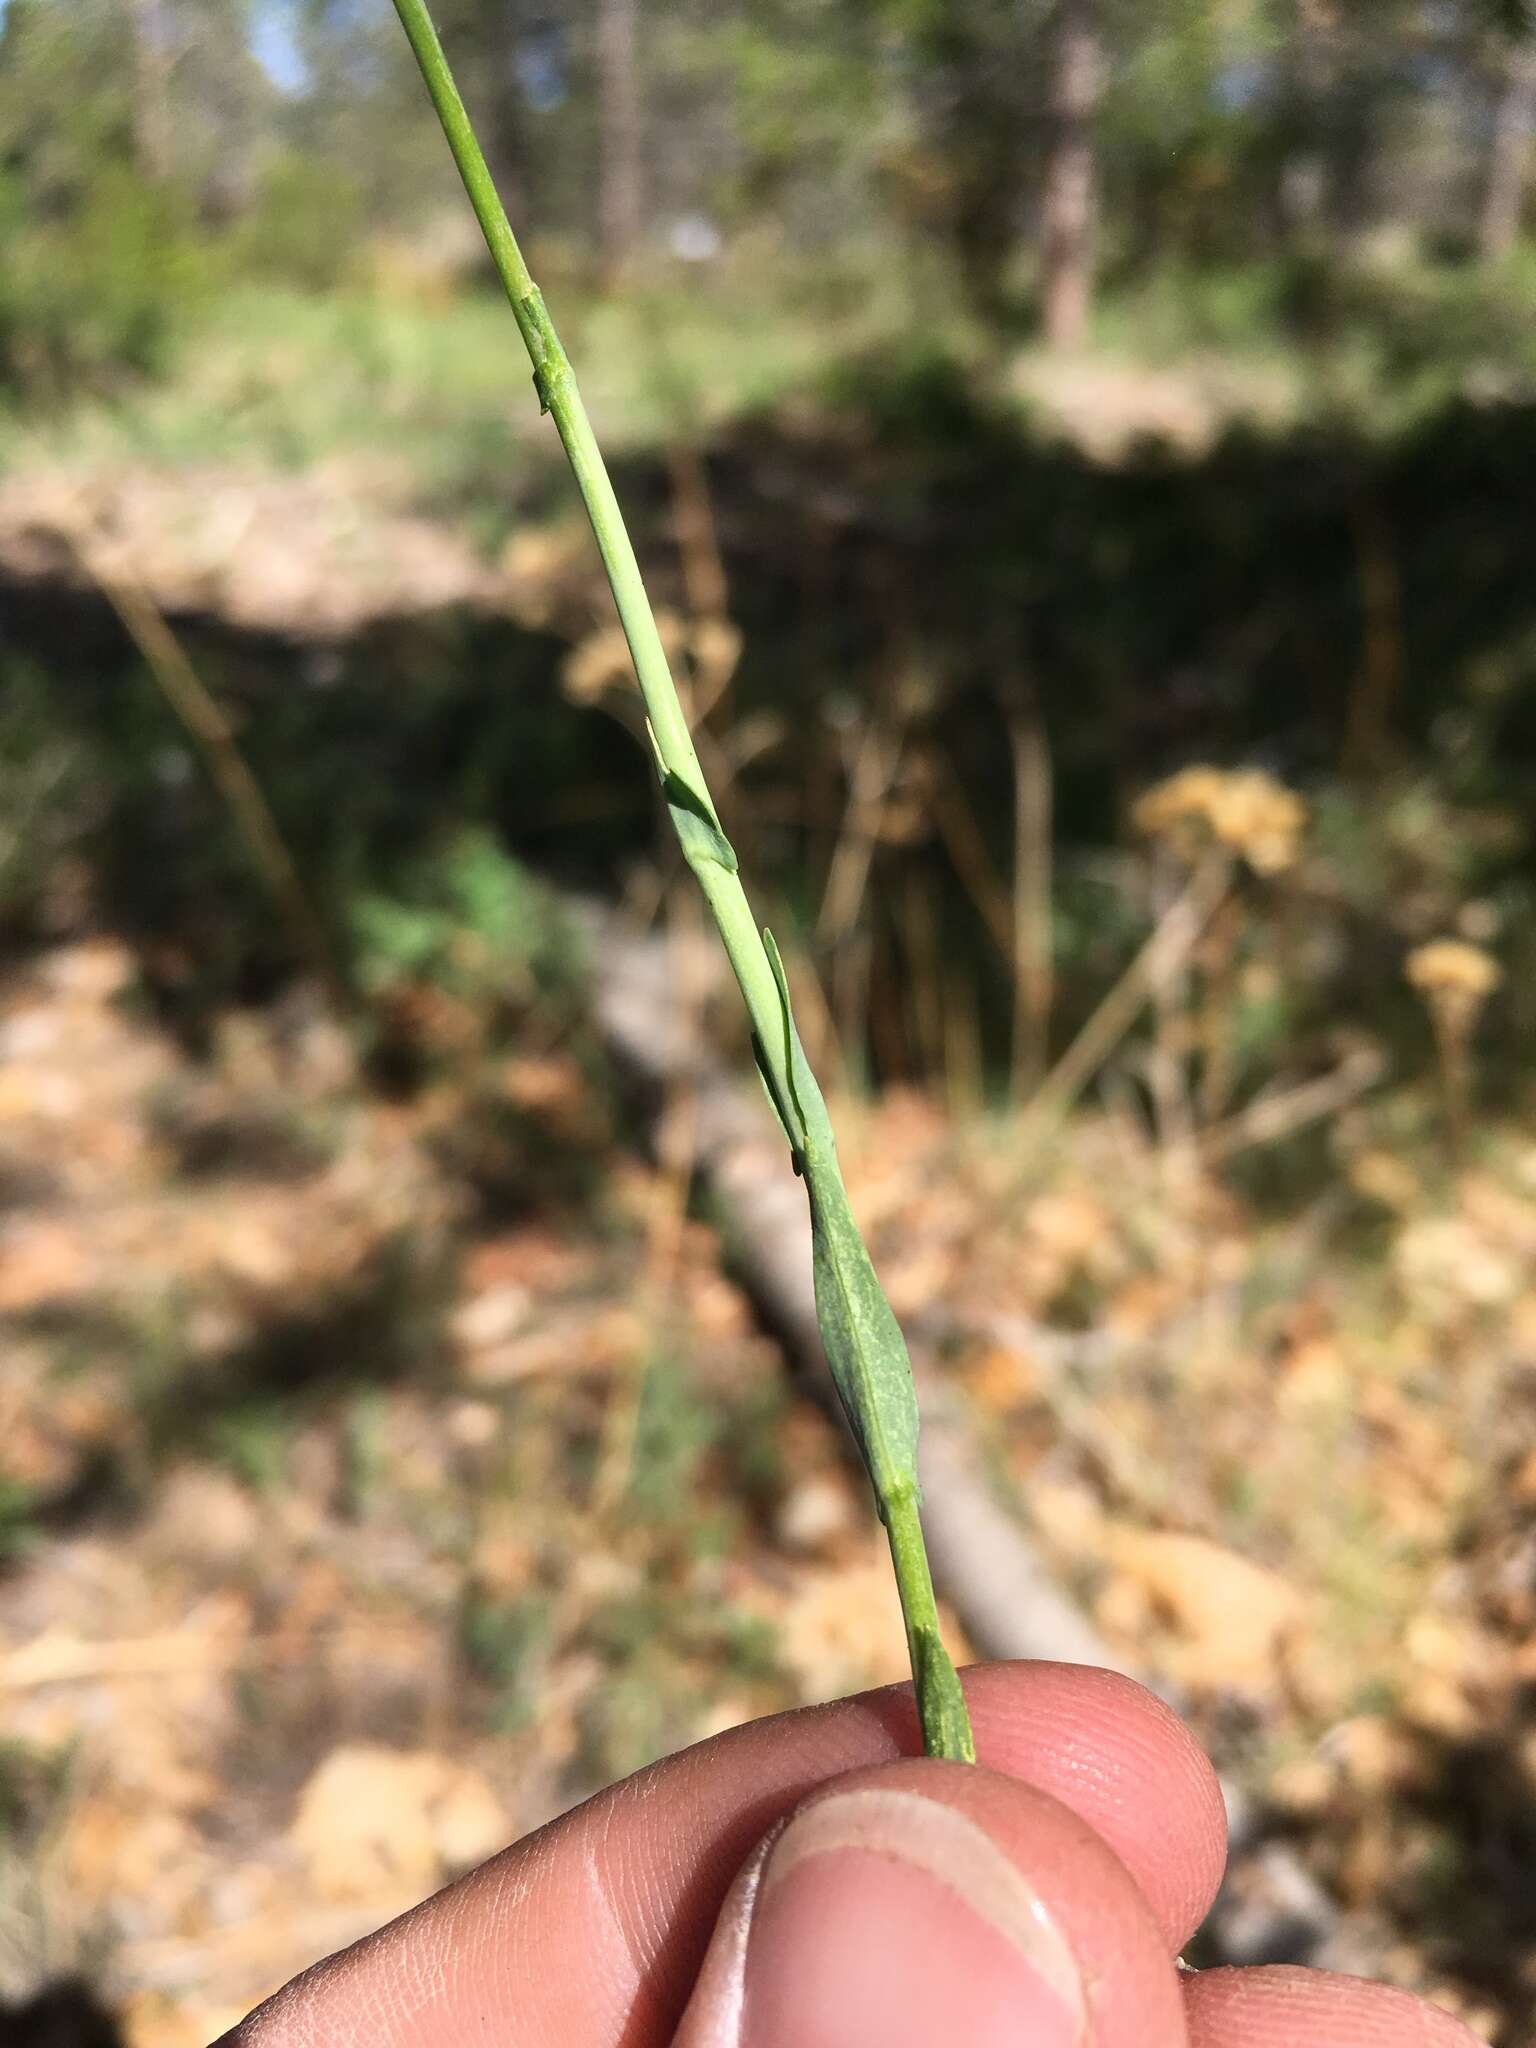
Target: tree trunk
<point>494,32</point>
<point>1509,156</point>
<point>620,195</point>
<point>1069,213</point>
<point>1311,83</point>
<point>151,101</point>
<point>1034,977</point>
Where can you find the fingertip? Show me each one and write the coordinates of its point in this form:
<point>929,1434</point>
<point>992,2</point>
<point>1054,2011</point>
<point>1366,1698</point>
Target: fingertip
<point>1121,1758</point>
<point>1294,2008</point>
<point>921,1901</point>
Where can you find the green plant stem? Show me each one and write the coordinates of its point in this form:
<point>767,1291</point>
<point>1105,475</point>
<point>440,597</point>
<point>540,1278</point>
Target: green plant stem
<point>864,1345</point>
<point>914,1586</point>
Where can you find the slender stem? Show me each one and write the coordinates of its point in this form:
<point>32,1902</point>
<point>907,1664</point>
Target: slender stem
<point>919,1608</point>
<point>945,1728</point>
<point>194,704</point>
<point>559,396</point>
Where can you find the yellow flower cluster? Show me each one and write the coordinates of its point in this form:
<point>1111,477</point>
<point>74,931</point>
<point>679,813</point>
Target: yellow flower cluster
<point>1244,810</point>
<point>1454,978</point>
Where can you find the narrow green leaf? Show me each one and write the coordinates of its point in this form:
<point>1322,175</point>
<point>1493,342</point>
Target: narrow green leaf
<point>941,1703</point>
<point>863,1340</point>
<point>696,825</point>
<point>864,1344</point>
<point>771,1090</point>
<point>791,1042</point>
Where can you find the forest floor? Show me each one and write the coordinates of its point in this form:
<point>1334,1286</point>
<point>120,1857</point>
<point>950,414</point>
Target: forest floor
<point>380,1476</point>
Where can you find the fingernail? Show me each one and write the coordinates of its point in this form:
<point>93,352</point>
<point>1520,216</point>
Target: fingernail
<point>886,1920</point>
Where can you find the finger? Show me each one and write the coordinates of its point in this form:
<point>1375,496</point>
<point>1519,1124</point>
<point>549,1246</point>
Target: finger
<point>1287,2008</point>
<point>1120,1759</point>
<point>924,1902</point>
<point>592,1930</point>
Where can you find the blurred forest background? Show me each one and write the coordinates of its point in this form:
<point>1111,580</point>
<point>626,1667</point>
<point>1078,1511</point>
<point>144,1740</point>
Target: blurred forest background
<point>1084,454</point>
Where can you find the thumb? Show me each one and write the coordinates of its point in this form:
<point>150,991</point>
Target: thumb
<point>922,1903</point>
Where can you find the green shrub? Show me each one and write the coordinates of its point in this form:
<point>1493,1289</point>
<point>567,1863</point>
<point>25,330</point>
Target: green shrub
<point>96,291</point>
<point>468,921</point>
<point>303,225</point>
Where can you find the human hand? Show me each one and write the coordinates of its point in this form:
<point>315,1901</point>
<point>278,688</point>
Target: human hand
<point>807,1882</point>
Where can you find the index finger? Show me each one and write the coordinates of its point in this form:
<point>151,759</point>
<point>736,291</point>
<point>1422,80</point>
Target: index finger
<point>590,1932</point>
<point>1292,2008</point>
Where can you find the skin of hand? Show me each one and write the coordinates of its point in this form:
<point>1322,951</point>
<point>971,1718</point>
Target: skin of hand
<point>810,1882</point>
